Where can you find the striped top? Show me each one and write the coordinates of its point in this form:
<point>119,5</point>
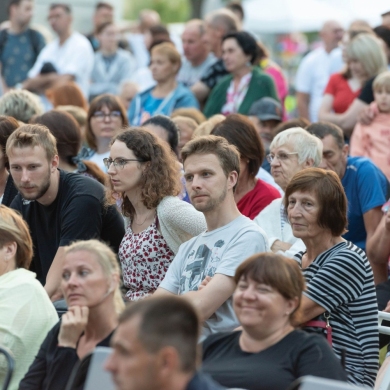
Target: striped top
<point>341,281</point>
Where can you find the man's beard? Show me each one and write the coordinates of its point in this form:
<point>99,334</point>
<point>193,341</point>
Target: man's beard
<point>42,189</point>
<point>212,203</point>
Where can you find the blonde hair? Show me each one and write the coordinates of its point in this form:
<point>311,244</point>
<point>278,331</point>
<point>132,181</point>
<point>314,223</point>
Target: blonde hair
<point>106,259</point>
<point>368,50</point>
<point>206,128</point>
<point>169,50</point>
<point>20,104</point>
<point>382,81</point>
<point>14,229</point>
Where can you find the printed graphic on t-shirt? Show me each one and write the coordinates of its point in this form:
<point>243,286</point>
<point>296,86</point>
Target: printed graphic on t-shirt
<point>200,263</point>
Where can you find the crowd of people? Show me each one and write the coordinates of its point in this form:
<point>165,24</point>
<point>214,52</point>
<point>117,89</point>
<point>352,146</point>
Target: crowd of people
<point>156,198</point>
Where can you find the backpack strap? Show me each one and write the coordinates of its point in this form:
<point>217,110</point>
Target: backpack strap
<point>3,40</point>
<point>34,36</point>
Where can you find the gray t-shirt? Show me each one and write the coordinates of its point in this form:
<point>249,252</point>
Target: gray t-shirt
<point>189,75</point>
<point>220,251</point>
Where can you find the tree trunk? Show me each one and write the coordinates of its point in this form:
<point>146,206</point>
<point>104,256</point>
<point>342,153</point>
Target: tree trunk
<point>196,9</point>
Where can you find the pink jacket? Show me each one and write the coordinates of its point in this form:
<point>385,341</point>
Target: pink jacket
<point>373,141</point>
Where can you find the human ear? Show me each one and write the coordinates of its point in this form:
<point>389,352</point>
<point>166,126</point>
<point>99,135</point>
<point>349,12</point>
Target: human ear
<point>55,163</point>
<point>232,179</point>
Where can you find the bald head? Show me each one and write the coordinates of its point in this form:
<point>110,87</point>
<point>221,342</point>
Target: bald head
<point>148,18</point>
<point>218,24</point>
<point>331,34</point>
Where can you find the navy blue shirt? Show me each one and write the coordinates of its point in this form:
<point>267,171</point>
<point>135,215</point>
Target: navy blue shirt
<point>366,187</point>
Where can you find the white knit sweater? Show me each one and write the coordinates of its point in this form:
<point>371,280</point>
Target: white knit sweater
<point>179,221</point>
<point>269,220</point>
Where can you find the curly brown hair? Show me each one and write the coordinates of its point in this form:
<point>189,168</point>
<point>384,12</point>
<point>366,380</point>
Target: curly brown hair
<point>161,177</point>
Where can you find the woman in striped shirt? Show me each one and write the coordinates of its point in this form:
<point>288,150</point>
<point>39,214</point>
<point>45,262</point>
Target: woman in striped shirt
<point>340,284</point>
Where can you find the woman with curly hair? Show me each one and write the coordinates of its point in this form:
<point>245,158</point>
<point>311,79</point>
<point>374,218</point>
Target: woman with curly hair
<point>144,174</point>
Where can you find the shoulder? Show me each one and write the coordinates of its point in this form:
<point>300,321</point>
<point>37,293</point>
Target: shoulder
<point>262,185</point>
<point>80,185</point>
<point>273,207</point>
<point>259,75</point>
<point>363,168</point>
<point>79,40</point>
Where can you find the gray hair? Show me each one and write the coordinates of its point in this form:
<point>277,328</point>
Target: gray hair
<point>306,145</point>
<point>20,104</point>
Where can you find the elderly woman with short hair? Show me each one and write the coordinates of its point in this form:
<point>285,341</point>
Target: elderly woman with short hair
<point>291,151</point>
<point>340,289</point>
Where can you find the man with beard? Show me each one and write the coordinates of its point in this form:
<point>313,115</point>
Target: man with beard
<point>59,207</point>
<point>204,266</point>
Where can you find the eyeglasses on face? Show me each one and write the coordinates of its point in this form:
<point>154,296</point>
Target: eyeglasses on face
<point>281,156</point>
<point>100,116</point>
<point>118,162</point>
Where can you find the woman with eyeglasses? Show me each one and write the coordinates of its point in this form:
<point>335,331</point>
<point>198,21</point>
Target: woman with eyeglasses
<point>291,151</point>
<point>144,176</point>
<point>106,117</point>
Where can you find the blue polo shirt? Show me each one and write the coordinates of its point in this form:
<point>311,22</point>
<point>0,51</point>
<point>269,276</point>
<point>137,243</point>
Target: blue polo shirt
<point>366,187</point>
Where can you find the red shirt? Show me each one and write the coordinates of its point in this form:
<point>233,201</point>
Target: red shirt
<point>257,199</point>
<point>342,94</point>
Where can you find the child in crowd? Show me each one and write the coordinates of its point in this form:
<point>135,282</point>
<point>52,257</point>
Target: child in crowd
<point>373,140</point>
<point>266,114</point>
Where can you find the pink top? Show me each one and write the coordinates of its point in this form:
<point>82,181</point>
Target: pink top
<point>145,258</point>
<point>373,141</point>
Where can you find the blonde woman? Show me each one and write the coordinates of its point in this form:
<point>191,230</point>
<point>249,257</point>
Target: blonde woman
<point>26,313</point>
<point>168,94</point>
<point>90,285</point>
<point>349,92</point>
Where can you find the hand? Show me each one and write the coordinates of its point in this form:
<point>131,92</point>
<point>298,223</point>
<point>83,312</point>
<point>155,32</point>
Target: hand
<point>367,115</point>
<point>387,309</point>
<point>204,283</point>
<point>280,246</point>
<point>73,324</point>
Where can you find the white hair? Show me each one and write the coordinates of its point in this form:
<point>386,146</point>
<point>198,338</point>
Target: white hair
<point>306,145</point>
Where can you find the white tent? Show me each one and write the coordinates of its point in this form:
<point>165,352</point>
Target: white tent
<point>283,16</point>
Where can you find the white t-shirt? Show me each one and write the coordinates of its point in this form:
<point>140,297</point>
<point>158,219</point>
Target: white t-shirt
<point>98,159</point>
<point>74,57</point>
<point>219,251</point>
<point>313,76</point>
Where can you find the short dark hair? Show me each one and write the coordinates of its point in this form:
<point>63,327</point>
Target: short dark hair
<point>102,4</point>
<point>167,321</point>
<point>240,132</point>
<point>169,126</point>
<point>326,185</point>
<point>279,272</point>
<point>67,8</point>
<point>322,129</point>
<point>247,43</point>
<point>12,3</point>
<point>383,33</point>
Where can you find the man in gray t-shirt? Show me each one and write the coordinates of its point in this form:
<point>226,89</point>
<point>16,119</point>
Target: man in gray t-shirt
<point>197,55</point>
<point>211,168</point>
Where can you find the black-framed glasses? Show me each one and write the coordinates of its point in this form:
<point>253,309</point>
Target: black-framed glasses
<point>100,116</point>
<point>118,162</point>
<point>281,156</point>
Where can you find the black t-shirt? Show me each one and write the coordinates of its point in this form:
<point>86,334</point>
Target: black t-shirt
<point>77,213</point>
<point>275,368</point>
<point>53,365</point>
<point>214,74</point>
<point>367,94</point>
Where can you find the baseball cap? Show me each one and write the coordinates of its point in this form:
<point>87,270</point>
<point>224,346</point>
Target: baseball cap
<point>266,109</point>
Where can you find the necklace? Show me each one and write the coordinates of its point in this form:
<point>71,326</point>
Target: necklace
<point>148,216</point>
